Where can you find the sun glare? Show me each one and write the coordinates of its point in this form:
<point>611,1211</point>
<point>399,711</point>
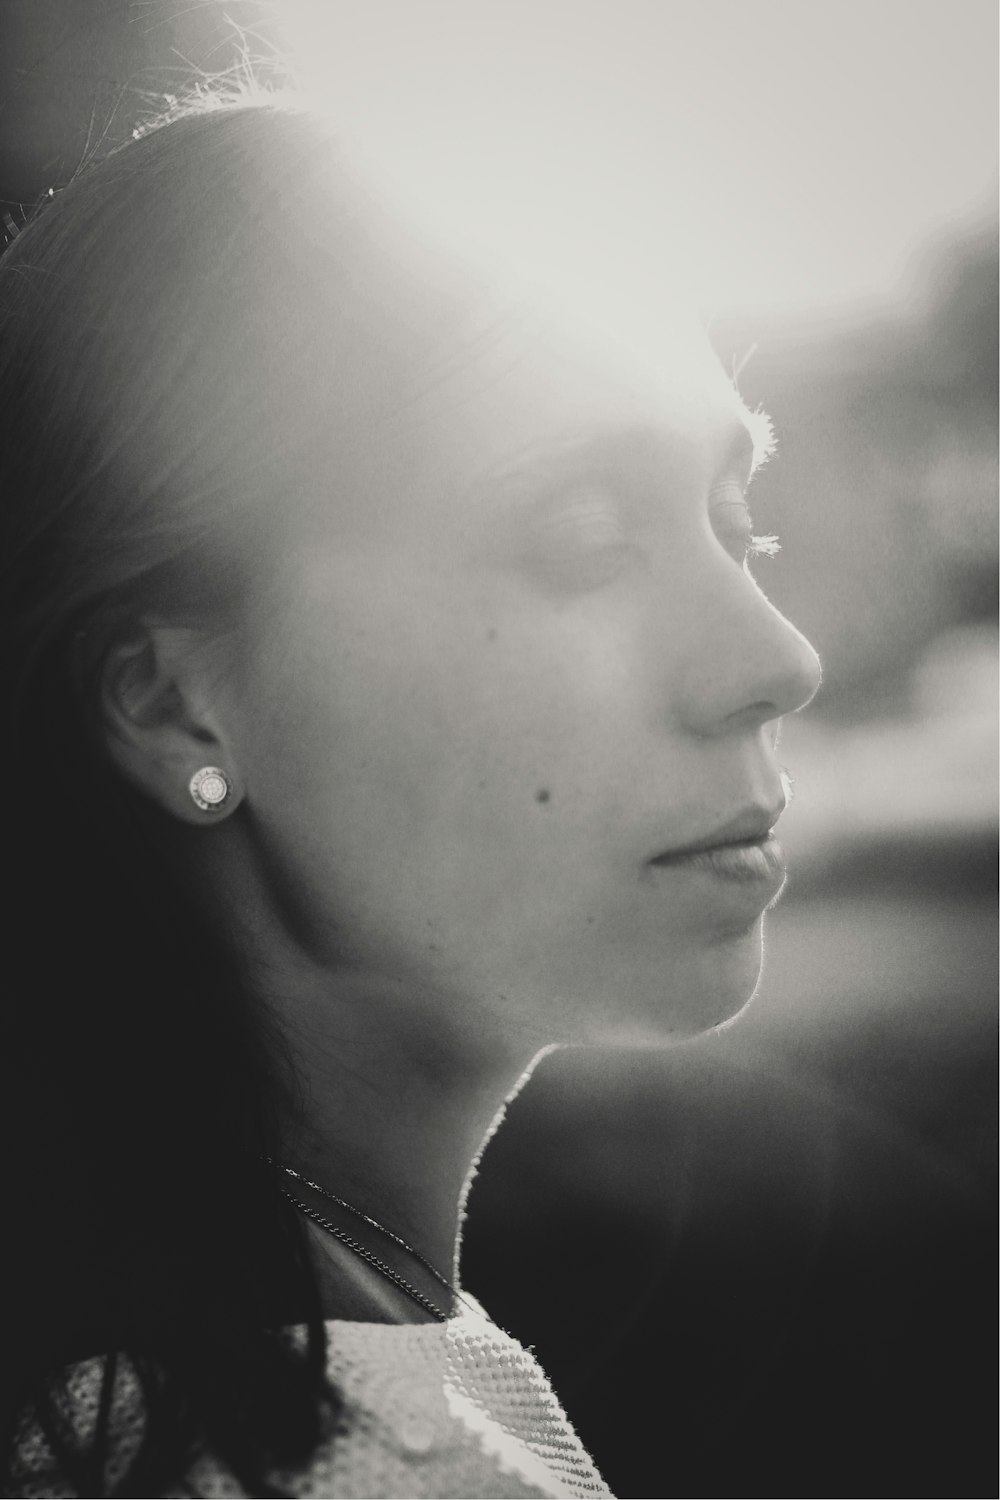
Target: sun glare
<point>625,147</point>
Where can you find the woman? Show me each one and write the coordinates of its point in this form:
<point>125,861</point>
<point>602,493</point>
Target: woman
<point>389,701</point>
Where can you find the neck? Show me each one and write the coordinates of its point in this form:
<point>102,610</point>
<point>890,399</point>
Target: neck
<point>395,1088</point>
<point>397,1114</point>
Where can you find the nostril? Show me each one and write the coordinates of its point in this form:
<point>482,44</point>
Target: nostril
<point>752,715</point>
<point>791,670</point>
<point>786,677</point>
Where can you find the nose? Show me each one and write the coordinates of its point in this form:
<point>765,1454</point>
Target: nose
<point>755,666</point>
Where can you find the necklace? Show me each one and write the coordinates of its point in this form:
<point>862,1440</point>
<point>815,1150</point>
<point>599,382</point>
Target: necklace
<point>361,1250</point>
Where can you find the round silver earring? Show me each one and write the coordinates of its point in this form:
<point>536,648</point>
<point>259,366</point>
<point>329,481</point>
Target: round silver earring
<point>209,788</point>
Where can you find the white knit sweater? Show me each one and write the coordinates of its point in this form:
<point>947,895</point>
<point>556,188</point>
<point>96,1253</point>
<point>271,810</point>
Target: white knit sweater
<point>456,1409</point>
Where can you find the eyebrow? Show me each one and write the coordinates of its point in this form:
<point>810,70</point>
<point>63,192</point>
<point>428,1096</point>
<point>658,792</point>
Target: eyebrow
<point>758,427</point>
<point>744,446</point>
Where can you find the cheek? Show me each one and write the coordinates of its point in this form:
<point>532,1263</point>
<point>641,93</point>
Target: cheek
<point>429,739</point>
<point>386,731</point>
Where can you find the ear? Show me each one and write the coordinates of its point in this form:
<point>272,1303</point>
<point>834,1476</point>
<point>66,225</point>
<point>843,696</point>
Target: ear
<point>162,719</point>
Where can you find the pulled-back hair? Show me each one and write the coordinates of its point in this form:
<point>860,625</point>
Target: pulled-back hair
<point>147,314</point>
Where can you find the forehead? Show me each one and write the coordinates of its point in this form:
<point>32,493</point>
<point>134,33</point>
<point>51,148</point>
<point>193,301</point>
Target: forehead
<point>502,380</point>
<point>530,379</point>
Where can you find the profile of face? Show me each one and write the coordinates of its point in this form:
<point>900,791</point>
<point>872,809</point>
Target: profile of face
<point>502,684</point>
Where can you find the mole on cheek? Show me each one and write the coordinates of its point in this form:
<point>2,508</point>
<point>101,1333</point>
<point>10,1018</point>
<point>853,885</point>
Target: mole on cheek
<point>543,794</point>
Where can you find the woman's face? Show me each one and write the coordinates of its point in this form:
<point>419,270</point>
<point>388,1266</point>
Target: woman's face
<point>498,668</point>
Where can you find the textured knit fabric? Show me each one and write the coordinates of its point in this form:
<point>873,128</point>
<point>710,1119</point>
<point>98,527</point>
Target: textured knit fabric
<point>458,1409</point>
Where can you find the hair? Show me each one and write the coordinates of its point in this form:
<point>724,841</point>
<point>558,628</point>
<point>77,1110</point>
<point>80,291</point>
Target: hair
<point>148,314</point>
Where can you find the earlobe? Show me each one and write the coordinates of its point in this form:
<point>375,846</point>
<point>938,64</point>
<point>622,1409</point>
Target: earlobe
<point>161,725</point>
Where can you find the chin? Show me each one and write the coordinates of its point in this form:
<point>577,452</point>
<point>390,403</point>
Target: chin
<point>706,990</point>
<point>737,969</point>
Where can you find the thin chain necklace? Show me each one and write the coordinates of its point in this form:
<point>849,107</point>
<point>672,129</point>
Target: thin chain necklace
<point>361,1250</point>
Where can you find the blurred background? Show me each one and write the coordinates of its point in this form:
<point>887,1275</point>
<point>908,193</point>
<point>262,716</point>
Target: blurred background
<point>753,1265</point>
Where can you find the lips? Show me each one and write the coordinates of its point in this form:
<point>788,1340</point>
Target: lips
<point>750,827</point>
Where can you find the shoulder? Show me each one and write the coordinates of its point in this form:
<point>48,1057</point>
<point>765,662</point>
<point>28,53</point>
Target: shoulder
<point>454,1410</point>
<point>434,1411</point>
<point>429,1410</point>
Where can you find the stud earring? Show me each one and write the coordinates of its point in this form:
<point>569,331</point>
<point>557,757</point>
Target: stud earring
<point>209,788</point>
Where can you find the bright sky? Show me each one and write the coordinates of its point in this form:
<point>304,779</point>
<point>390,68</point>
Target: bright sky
<point>783,154</point>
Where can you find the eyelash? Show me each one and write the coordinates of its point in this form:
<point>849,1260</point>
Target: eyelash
<point>754,545</point>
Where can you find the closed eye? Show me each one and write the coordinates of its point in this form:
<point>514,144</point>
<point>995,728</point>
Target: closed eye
<point>731,521</point>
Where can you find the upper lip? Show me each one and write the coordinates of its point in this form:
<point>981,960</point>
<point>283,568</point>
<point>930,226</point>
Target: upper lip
<point>748,827</point>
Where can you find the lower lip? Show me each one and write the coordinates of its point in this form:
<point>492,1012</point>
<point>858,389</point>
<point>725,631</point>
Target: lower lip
<point>760,863</point>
